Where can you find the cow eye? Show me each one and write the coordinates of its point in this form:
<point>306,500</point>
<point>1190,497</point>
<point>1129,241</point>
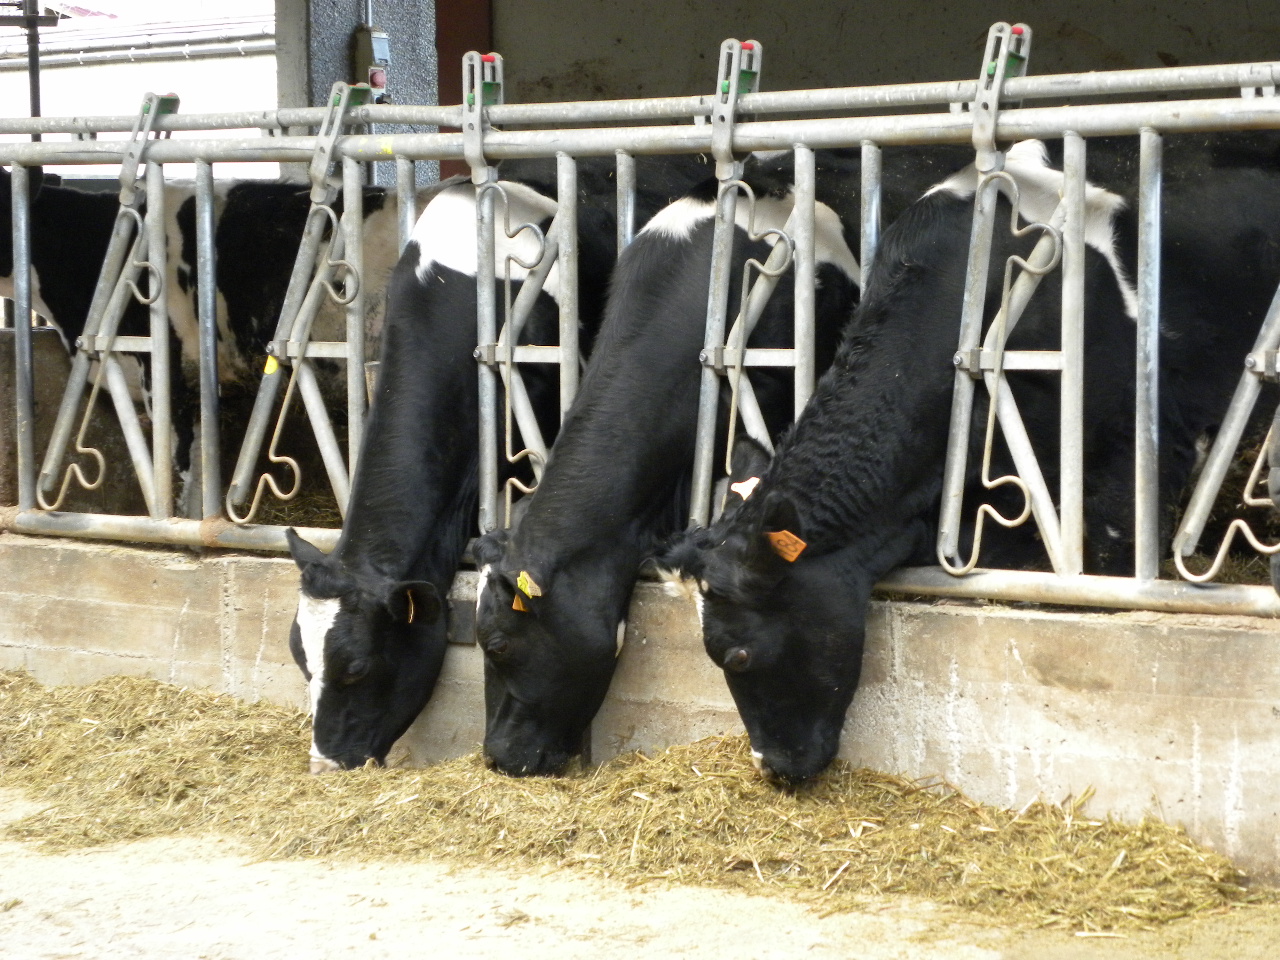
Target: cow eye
<point>737,659</point>
<point>356,671</point>
<point>498,647</point>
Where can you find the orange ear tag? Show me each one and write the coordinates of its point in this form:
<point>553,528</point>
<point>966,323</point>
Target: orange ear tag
<point>744,488</point>
<point>786,544</point>
<point>517,603</point>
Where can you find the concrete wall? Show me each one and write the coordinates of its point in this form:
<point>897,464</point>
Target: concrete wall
<point>1173,714</point>
<point>591,49</point>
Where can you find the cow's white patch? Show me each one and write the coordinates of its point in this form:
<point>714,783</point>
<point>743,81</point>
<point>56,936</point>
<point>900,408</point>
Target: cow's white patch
<point>1040,190</point>
<point>482,586</point>
<point>675,584</point>
<point>315,620</point>
<point>678,220</point>
<point>697,604</point>
<point>621,639</point>
<point>744,488</point>
<point>757,760</point>
<point>445,233</point>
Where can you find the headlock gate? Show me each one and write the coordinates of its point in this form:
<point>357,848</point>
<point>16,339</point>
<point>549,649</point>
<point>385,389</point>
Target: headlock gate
<point>725,125</point>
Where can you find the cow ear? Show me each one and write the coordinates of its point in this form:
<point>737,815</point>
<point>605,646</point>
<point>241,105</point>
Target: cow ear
<point>780,533</point>
<point>490,548</point>
<point>414,601</point>
<point>304,554</point>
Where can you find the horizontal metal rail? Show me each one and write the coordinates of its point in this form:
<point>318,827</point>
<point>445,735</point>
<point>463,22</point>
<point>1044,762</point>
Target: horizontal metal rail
<point>175,532</point>
<point>1126,593</point>
<point>1110,83</point>
<point>1117,119</point>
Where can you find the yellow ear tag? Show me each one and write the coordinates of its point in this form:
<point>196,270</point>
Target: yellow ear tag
<point>744,488</point>
<point>527,586</point>
<point>786,545</point>
<point>409,596</point>
<point>517,603</point>
<point>271,366</point>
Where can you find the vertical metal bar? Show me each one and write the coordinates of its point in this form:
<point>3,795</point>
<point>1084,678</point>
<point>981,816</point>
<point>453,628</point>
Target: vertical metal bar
<point>406,198</point>
<point>353,252</point>
<point>1146,532</point>
<point>626,199</point>
<point>33,61</point>
<point>713,340</point>
<point>806,274</point>
<point>1071,423</point>
<point>25,404</point>
<point>486,335</point>
<point>567,261</point>
<point>872,177</point>
<point>975,293</point>
<point>161,382</point>
<point>207,311</point>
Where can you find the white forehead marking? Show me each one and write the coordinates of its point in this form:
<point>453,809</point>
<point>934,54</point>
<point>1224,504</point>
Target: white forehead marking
<point>446,232</point>
<point>744,488</point>
<point>484,584</point>
<point>315,619</point>
<point>1040,189</point>
<point>622,637</point>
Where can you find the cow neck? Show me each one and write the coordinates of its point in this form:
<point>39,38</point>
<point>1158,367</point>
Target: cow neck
<point>848,467</point>
<point>626,449</point>
<point>413,493</point>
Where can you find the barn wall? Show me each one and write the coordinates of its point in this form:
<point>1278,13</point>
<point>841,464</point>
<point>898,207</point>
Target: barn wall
<point>1174,714</point>
<point>589,49</point>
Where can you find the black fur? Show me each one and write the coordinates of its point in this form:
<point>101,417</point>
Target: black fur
<point>860,477</point>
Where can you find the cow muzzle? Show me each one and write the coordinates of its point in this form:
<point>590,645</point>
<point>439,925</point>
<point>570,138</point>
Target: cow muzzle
<point>324,765</point>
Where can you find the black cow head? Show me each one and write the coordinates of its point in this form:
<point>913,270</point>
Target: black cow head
<point>550,641</point>
<point>371,650</point>
<point>784,625</point>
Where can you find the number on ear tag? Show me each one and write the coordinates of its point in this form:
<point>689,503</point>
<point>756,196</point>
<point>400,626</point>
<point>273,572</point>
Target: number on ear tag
<point>786,545</point>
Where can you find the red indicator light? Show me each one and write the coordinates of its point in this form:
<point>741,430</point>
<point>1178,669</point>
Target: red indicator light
<point>1017,31</point>
<point>748,45</point>
<point>489,57</point>
<point>377,78</point>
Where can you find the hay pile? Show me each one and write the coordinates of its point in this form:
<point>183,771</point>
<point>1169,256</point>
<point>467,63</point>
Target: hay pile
<point>127,758</point>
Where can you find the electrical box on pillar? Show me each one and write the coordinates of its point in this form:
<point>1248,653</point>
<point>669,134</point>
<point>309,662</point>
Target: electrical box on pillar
<point>372,56</point>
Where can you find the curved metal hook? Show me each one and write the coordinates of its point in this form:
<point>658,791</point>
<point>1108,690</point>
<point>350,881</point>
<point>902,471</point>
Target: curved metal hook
<point>1238,525</point>
<point>994,379</point>
<point>267,479</point>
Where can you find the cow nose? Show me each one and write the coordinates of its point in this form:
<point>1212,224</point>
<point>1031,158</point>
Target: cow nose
<point>324,765</point>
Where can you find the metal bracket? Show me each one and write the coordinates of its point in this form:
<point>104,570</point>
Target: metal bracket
<point>1260,90</point>
<point>342,97</point>
<point>740,64</point>
<point>481,88</point>
<point>153,105</point>
<point>1264,364</point>
<point>1006,55</point>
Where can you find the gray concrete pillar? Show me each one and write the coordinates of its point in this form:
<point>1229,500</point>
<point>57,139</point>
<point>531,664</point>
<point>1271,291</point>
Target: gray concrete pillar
<point>314,49</point>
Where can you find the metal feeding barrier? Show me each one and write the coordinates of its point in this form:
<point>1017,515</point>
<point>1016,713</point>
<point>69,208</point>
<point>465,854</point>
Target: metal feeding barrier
<point>997,107</point>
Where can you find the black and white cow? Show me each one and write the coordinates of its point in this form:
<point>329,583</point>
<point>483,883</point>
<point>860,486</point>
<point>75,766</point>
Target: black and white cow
<point>258,226</point>
<point>369,634</point>
<point>859,478</point>
<point>554,592</point>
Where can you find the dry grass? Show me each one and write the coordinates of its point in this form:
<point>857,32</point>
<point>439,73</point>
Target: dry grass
<point>126,758</point>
